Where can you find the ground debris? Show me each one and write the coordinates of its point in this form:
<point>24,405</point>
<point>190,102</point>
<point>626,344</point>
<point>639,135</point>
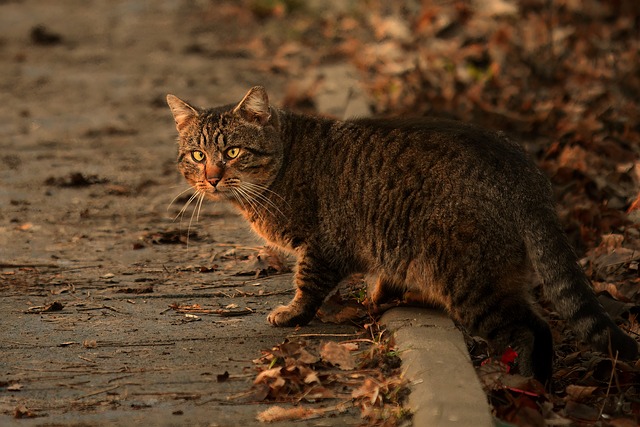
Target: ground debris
<point>75,179</point>
<point>278,413</point>
<point>337,309</point>
<point>43,36</point>
<point>303,371</point>
<point>586,388</point>
<point>266,262</point>
<point>137,291</point>
<point>24,412</point>
<point>170,237</point>
<point>230,311</point>
<point>54,306</point>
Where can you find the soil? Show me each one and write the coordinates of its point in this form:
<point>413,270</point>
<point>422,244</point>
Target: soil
<point>94,254</point>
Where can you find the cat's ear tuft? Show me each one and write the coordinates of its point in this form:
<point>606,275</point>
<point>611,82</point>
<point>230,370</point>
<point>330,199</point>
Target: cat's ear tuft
<point>183,113</point>
<point>254,107</point>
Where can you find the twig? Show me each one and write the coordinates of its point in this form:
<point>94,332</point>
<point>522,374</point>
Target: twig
<point>140,344</point>
<point>320,335</point>
<point>606,396</point>
<point>10,265</point>
<point>106,307</point>
<point>105,390</point>
<point>233,313</point>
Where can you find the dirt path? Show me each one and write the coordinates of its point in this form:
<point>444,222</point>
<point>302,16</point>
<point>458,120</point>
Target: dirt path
<point>86,179</point>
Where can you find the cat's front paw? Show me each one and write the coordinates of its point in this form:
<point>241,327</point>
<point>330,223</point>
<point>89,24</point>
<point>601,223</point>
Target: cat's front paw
<point>290,315</point>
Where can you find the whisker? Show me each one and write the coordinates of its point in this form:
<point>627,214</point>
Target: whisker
<point>265,201</point>
<point>200,205</point>
<point>200,195</point>
<point>267,190</point>
<point>258,201</point>
<point>255,204</point>
<point>237,197</point>
<point>187,203</point>
<point>179,194</point>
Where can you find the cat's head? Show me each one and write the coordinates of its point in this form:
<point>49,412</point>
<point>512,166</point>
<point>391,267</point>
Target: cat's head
<point>232,152</point>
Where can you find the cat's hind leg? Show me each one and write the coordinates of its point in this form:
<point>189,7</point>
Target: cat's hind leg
<point>314,279</point>
<point>511,321</point>
<point>381,289</point>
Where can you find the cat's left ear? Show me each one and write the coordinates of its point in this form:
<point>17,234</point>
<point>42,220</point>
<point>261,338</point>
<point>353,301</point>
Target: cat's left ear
<point>183,113</point>
<point>254,107</point>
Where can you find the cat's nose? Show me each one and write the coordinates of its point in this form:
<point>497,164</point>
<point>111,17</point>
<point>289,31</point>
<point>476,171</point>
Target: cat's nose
<point>213,173</point>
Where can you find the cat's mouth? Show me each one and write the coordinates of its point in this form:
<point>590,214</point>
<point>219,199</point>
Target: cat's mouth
<point>215,192</point>
<point>207,190</point>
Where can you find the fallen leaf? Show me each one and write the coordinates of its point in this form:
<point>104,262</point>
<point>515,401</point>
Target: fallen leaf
<point>369,390</point>
<point>75,179</point>
<point>266,262</point>
<point>137,291</point>
<point>578,392</point>
<point>635,205</point>
<point>23,412</point>
<point>90,343</point>
<point>337,309</point>
<point>311,377</point>
<point>234,312</point>
<point>581,411</point>
<point>267,374</point>
<point>54,306</point>
<point>337,355</point>
<point>622,422</point>
<point>171,237</point>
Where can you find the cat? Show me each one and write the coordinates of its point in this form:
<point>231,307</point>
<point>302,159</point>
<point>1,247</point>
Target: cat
<point>449,211</point>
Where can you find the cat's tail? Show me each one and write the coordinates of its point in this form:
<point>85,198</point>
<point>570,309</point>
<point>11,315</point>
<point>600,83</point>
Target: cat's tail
<point>566,285</point>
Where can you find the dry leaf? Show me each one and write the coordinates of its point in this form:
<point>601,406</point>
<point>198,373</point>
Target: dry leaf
<point>337,355</point>
<point>581,411</point>
<point>337,309</point>
<point>635,205</point>
<point>89,343</point>
<point>622,422</point>
<point>25,227</point>
<point>369,390</point>
<point>54,306</point>
<point>312,377</point>
<point>319,392</point>
<point>23,412</point>
<point>578,392</point>
<point>222,377</point>
<point>268,373</point>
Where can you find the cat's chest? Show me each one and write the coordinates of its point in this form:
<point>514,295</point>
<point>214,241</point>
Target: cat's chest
<point>273,234</point>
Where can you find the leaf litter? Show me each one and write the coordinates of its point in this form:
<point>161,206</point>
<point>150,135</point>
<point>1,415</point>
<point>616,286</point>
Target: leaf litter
<point>562,77</point>
<point>338,375</point>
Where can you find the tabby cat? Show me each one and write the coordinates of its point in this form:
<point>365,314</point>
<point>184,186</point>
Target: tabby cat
<point>441,209</point>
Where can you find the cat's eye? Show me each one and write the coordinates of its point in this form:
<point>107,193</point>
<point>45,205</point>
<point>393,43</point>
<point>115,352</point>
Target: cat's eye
<point>197,155</point>
<point>232,153</point>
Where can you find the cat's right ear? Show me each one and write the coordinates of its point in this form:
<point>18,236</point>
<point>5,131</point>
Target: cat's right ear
<point>183,113</point>
<point>254,107</point>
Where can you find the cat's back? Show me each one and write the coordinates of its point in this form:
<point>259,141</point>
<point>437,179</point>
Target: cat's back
<point>445,150</point>
<point>442,136</point>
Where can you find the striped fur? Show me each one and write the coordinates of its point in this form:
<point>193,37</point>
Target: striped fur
<point>450,212</point>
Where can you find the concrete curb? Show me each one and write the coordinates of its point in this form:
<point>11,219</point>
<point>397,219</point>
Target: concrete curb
<point>445,390</point>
